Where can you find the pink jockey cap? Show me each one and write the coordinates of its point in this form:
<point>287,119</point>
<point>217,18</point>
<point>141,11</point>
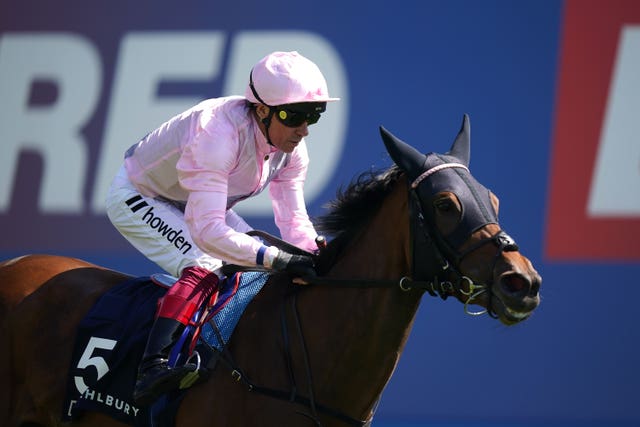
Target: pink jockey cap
<point>286,78</point>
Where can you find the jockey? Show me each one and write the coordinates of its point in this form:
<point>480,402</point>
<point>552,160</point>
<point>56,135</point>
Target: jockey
<point>173,197</point>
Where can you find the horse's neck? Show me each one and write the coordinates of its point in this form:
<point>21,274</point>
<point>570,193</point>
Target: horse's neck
<point>351,337</point>
<point>358,334</point>
<point>381,251</point>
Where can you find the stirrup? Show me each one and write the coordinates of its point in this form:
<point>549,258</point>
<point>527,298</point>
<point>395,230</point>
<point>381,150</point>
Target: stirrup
<point>192,377</point>
<point>172,379</point>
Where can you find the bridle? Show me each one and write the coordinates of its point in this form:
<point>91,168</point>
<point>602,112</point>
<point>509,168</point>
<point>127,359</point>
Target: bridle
<point>429,244</point>
<point>426,244</point>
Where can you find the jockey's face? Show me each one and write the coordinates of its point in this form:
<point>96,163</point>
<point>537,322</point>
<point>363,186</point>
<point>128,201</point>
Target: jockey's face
<point>284,138</point>
<point>287,138</point>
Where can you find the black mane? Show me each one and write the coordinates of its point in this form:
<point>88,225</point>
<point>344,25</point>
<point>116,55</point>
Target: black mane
<point>353,207</point>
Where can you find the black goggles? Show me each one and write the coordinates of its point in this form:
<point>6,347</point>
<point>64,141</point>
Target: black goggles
<point>294,115</point>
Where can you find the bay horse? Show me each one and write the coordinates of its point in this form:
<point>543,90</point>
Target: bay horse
<point>423,225</point>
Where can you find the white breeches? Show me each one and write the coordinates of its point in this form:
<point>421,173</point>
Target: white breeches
<point>157,228</point>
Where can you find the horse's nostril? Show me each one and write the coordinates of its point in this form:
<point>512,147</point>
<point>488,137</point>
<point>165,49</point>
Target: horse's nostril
<point>514,283</point>
<point>535,287</point>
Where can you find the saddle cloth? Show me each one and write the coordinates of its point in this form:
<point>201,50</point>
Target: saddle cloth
<point>111,339</point>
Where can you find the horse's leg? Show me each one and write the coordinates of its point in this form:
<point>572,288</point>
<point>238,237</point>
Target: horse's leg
<point>42,331</point>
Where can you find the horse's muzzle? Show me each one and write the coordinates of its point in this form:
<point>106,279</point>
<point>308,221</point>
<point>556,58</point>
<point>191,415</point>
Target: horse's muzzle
<point>516,295</point>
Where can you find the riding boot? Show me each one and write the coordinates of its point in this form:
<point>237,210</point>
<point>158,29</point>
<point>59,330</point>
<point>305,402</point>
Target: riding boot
<point>155,377</point>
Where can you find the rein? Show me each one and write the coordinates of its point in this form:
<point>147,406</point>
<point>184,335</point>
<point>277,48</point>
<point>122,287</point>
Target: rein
<point>291,396</point>
<point>435,287</point>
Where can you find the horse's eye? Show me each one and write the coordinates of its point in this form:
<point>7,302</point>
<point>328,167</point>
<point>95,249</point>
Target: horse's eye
<point>444,205</point>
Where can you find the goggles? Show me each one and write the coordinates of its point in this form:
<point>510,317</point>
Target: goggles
<point>294,115</point>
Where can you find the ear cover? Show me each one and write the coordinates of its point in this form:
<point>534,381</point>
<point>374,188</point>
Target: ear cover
<point>461,147</point>
<point>410,160</point>
<point>477,207</point>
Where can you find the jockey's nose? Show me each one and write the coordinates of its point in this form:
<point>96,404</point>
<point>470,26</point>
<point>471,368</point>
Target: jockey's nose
<point>303,129</point>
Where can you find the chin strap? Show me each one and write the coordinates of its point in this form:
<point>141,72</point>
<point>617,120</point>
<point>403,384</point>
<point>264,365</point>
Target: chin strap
<point>267,120</point>
<point>267,123</point>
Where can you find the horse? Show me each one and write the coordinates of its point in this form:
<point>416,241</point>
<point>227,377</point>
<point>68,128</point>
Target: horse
<point>319,353</point>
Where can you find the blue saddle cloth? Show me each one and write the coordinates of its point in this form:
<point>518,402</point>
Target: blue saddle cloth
<point>111,339</point>
<point>227,318</point>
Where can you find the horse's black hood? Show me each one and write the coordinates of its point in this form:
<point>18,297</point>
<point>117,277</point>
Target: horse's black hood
<point>454,177</point>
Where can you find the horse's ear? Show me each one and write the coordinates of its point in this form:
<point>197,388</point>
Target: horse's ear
<point>461,146</point>
<point>405,156</point>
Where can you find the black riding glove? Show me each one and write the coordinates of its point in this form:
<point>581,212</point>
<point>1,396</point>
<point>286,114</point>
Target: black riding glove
<point>297,265</point>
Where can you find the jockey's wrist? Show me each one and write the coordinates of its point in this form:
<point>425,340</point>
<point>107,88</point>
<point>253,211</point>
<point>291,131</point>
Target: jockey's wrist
<point>266,255</point>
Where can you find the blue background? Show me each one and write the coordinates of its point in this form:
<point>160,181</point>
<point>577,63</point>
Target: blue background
<point>416,67</point>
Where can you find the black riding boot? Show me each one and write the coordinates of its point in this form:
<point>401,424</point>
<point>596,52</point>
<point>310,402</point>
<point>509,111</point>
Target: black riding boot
<point>155,377</point>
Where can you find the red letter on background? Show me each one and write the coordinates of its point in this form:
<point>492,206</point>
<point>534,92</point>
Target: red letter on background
<point>591,33</point>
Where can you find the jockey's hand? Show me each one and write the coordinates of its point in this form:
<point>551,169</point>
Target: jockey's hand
<point>297,265</point>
